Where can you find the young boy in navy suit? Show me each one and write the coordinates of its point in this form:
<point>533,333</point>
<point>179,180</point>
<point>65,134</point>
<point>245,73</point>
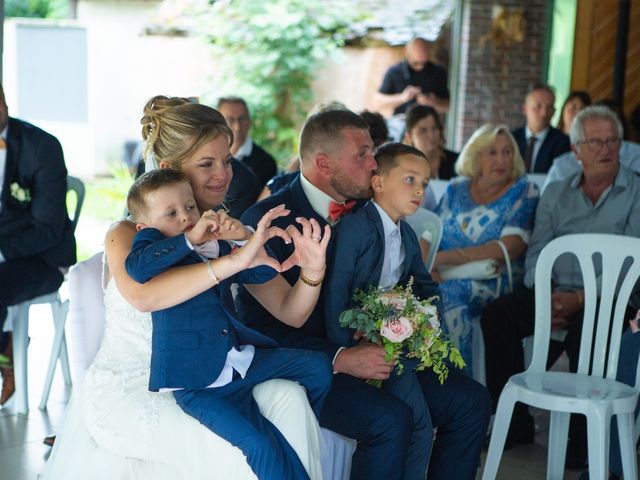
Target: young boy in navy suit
<point>375,247</point>
<point>205,356</point>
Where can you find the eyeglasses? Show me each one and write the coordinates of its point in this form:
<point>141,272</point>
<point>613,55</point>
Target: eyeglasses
<point>239,120</point>
<point>596,144</point>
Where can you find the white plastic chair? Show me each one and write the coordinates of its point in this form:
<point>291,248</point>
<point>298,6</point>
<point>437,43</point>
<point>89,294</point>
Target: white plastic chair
<point>428,226</point>
<point>539,179</point>
<point>18,316</point>
<point>439,187</point>
<point>592,391</point>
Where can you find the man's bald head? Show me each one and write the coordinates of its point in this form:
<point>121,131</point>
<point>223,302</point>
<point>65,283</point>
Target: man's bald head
<point>417,53</point>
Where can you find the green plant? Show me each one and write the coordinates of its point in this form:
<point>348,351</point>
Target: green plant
<point>37,8</point>
<point>105,197</point>
<point>268,52</point>
<point>104,203</point>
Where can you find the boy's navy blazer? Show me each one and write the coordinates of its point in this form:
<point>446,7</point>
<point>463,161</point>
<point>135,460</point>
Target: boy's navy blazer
<point>555,144</point>
<point>312,334</point>
<point>190,340</point>
<point>357,264</point>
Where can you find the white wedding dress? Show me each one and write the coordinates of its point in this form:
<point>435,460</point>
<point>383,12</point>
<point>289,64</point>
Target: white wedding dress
<point>116,429</point>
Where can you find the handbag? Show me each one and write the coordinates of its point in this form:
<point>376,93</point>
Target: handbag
<point>480,269</point>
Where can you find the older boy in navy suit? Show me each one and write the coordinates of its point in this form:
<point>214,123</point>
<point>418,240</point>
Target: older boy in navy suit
<point>388,254</point>
<point>336,166</point>
<point>199,350</point>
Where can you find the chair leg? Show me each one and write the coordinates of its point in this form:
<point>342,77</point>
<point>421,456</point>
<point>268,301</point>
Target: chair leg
<point>20,356</point>
<point>504,411</point>
<point>59,314</point>
<point>558,435</point>
<point>627,444</point>
<point>598,437</point>
<point>64,361</point>
<point>64,355</point>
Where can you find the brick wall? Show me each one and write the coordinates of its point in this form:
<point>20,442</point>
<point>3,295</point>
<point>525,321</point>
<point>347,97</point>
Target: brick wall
<point>495,78</point>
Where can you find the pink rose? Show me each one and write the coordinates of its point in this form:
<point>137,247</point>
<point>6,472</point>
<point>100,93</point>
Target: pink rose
<point>397,330</point>
<point>392,300</point>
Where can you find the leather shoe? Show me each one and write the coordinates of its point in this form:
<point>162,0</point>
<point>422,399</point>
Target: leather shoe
<point>8,385</point>
<point>49,441</point>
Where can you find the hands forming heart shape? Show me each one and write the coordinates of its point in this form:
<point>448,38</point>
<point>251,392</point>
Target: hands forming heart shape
<point>310,244</point>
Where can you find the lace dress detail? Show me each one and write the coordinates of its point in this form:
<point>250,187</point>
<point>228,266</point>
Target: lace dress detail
<point>120,375</point>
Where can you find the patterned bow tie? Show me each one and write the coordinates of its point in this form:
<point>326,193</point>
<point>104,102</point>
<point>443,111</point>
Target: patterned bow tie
<point>337,210</point>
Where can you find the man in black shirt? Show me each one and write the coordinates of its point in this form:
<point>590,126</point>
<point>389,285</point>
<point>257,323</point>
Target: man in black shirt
<point>414,80</point>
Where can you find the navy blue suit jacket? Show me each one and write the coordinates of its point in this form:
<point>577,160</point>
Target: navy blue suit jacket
<point>311,335</point>
<point>555,144</point>
<point>190,340</point>
<point>40,227</point>
<point>357,264</point>
<point>262,164</point>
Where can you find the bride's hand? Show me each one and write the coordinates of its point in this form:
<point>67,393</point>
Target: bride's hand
<point>310,247</point>
<point>253,253</point>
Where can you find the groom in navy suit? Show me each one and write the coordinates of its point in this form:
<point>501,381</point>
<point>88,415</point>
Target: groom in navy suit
<point>540,143</point>
<point>336,166</point>
<point>36,235</point>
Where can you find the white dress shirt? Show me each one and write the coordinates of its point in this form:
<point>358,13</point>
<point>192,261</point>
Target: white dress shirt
<point>393,251</point>
<point>317,198</point>
<point>540,136</point>
<point>245,149</point>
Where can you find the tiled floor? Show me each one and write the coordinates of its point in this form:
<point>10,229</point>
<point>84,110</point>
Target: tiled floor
<point>23,456</point>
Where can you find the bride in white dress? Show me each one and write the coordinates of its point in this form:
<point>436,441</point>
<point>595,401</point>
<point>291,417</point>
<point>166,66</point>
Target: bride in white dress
<point>115,428</point>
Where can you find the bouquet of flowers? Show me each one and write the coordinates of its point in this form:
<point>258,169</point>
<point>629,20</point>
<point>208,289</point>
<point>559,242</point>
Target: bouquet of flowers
<point>405,327</point>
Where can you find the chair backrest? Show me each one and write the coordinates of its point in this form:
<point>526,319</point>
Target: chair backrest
<point>604,293</point>
<point>425,220</point>
<point>75,184</point>
<point>439,187</point>
<point>86,311</point>
<point>538,178</point>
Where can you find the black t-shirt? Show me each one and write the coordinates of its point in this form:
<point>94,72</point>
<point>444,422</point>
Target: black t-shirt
<point>431,79</point>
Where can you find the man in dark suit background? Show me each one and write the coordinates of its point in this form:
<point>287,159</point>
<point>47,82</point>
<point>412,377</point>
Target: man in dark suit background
<point>36,235</point>
<point>236,113</point>
<point>538,141</point>
<point>336,166</point>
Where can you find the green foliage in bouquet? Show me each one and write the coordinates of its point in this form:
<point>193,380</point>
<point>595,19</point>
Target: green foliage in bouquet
<point>405,326</point>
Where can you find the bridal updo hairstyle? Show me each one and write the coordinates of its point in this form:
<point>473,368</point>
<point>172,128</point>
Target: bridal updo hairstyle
<point>175,127</point>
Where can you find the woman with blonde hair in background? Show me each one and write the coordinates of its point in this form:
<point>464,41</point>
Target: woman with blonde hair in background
<point>486,212</point>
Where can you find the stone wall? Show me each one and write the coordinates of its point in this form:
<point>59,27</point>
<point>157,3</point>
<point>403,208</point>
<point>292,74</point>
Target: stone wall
<point>495,78</point>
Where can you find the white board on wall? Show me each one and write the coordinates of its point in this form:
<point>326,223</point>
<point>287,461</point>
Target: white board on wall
<point>51,73</point>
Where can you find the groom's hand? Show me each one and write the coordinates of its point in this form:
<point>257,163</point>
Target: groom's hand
<point>366,361</point>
